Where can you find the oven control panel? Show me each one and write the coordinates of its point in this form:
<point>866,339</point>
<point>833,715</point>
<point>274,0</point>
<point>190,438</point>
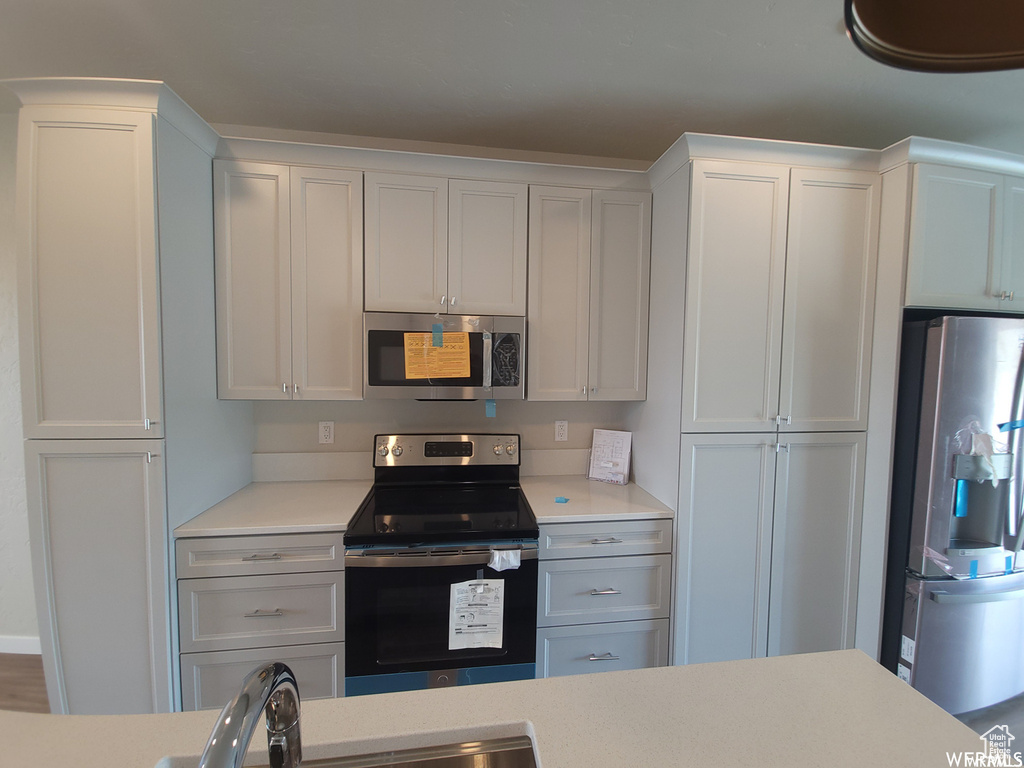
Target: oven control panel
<point>440,450</point>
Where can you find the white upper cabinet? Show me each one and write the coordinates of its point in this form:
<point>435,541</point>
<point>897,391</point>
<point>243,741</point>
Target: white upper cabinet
<point>779,298</point>
<point>828,316</point>
<point>589,291</point>
<point>734,290</point>
<point>406,243</point>
<point>487,248</point>
<point>289,281</point>
<point>434,245</point>
<point>88,288</point>
<point>955,244</point>
<point>620,282</point>
<point>966,240</point>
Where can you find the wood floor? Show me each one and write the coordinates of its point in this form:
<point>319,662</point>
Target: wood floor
<point>22,687</point>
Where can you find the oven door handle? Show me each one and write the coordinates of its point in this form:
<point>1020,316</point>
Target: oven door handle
<point>425,558</point>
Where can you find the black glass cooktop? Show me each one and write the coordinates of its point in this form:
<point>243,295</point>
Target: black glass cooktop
<point>441,512</point>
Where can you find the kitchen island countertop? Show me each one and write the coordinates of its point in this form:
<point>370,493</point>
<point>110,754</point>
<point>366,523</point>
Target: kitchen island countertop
<point>836,709</point>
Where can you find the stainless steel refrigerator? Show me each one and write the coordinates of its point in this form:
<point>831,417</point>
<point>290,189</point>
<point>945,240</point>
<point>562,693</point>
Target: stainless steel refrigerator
<point>954,610</point>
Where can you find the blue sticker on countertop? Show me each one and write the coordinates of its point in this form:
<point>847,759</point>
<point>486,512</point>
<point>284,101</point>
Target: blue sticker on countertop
<point>490,409</point>
<point>437,329</point>
<point>561,500</point>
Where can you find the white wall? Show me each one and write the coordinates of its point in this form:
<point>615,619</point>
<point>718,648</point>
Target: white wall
<point>19,630</point>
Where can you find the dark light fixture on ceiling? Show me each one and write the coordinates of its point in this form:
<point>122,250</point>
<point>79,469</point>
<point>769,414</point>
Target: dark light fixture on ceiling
<point>939,35</point>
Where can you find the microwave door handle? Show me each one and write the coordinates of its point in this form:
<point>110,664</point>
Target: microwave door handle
<point>487,360</point>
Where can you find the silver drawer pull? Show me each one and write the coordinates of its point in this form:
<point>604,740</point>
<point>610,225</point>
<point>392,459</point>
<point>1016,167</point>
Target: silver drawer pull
<point>602,657</point>
<point>257,556</point>
<point>609,540</point>
<point>261,614</point>
<point>605,592</point>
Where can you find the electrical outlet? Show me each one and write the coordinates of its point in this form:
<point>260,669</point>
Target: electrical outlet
<point>326,432</point>
<point>561,431</point>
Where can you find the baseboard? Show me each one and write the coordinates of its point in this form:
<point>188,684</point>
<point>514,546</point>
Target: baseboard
<point>18,644</point>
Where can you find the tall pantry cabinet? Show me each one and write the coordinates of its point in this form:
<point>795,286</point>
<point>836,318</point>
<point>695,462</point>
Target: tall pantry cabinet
<point>125,438</point>
<point>780,285</point>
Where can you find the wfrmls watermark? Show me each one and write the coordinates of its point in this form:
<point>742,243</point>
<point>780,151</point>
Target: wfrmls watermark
<point>998,751</point>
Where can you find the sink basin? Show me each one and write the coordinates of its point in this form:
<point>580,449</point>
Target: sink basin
<point>514,752</point>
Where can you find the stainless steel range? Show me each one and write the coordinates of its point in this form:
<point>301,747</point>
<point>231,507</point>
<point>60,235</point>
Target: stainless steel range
<point>441,567</point>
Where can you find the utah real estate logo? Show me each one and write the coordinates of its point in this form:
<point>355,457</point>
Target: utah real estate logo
<point>998,751</point>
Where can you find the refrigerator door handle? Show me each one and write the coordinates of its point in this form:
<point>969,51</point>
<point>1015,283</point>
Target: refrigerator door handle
<point>949,598</point>
<point>1015,514</point>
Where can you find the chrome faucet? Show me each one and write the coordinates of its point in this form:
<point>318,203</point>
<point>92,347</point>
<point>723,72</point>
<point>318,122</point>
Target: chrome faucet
<point>270,687</point>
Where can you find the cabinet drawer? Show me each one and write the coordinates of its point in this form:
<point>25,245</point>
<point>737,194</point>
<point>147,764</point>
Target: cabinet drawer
<point>245,555</point>
<point>603,589</point>
<point>210,680</point>
<point>576,650</point>
<point>260,611</point>
<point>622,537</point>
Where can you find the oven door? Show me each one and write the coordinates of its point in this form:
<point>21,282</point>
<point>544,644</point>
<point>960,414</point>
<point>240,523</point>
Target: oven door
<point>430,617</point>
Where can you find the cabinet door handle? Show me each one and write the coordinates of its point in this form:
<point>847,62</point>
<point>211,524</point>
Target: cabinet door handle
<point>609,540</point>
<point>261,614</point>
<point>148,423</point>
<point>454,298</point>
<point>284,387</point>
<point>596,592</point>
<point>1004,296</point>
<point>295,389</point>
<point>443,298</point>
<point>602,657</point>
<point>257,556</point>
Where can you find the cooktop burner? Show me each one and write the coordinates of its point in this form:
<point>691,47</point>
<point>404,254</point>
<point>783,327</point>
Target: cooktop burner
<point>443,488</point>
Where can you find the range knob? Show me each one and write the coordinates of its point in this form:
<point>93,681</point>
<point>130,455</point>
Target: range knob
<point>382,451</point>
<point>510,449</point>
<point>382,528</point>
<point>396,451</point>
<point>497,450</point>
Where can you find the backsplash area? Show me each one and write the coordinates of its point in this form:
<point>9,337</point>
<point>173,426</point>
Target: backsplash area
<point>292,427</point>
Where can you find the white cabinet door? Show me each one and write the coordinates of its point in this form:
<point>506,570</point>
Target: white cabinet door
<point>406,258</point>
<point>723,547</point>
<point>590,258</point>
<point>87,272</point>
<point>1012,282</point>
<point>955,244</point>
<point>831,255</point>
<point>487,248</point>
<point>816,543</point>
<point>253,276</point>
<point>558,320</point>
<point>326,284</point>
<point>734,293</point>
<point>620,267</point>
<point>99,557</point>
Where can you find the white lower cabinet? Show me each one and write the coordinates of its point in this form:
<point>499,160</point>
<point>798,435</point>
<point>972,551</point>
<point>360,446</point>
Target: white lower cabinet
<point>258,599</point>
<point>209,680</point>
<point>609,609</point>
<point>767,543</point>
<point>578,649</point>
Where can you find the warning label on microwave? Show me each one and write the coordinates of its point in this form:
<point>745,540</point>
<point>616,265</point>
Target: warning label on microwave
<point>476,615</point>
<point>424,360</point>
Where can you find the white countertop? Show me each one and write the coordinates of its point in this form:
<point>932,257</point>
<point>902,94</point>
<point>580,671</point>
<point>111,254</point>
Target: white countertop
<point>835,709</point>
<point>318,506</point>
<point>588,500</point>
<point>321,506</point>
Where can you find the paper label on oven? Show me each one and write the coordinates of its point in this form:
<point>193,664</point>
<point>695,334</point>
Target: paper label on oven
<point>425,361</point>
<point>477,614</point>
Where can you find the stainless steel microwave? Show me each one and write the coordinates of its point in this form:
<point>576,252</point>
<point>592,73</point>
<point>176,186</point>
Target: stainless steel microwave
<point>443,357</point>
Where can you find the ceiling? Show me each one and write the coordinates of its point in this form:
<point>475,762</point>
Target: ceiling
<point>608,78</point>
